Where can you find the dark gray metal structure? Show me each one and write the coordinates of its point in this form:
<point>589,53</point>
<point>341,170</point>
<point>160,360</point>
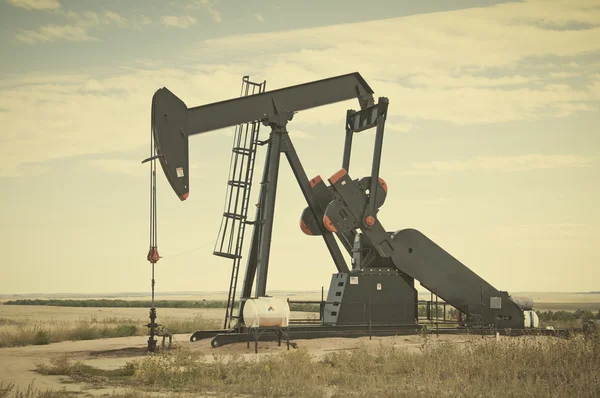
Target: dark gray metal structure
<point>378,289</point>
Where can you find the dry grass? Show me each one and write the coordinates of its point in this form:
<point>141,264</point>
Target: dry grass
<point>571,306</point>
<point>8,389</point>
<point>15,333</point>
<point>519,366</point>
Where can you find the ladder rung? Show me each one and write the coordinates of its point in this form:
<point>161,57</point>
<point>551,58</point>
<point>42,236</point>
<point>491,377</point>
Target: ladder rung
<point>226,255</point>
<point>242,150</point>
<point>241,184</point>
<point>261,143</point>
<point>234,216</point>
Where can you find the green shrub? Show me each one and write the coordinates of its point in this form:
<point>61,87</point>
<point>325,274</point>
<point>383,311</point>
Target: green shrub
<point>126,330</point>
<point>42,337</point>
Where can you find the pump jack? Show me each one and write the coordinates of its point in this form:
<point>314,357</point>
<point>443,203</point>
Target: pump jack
<point>378,293</point>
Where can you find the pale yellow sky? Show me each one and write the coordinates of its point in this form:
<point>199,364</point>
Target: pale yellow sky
<point>492,146</point>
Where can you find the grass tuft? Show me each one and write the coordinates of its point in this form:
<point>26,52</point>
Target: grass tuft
<point>534,366</point>
<point>38,333</point>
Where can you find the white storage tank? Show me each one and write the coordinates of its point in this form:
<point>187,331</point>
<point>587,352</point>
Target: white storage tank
<point>266,312</point>
<point>524,302</point>
<point>531,319</point>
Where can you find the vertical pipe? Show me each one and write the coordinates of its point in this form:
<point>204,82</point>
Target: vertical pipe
<point>482,311</point>
<point>267,228</point>
<point>256,341</point>
<point>322,306</point>
<point>429,305</point>
<point>437,321</point>
<point>370,331</point>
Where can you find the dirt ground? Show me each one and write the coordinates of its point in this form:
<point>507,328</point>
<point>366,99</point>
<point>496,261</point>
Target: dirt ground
<point>17,364</point>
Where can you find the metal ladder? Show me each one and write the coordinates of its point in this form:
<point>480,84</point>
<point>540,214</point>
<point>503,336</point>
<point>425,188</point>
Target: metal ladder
<point>230,239</point>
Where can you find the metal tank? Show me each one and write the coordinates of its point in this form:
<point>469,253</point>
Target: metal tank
<point>524,302</point>
<point>266,312</point>
<point>531,319</point>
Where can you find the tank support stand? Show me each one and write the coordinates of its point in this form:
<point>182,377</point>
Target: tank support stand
<point>257,332</point>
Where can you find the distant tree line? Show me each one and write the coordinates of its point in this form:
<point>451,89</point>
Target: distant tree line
<point>567,316</point>
<point>119,303</point>
<point>451,313</point>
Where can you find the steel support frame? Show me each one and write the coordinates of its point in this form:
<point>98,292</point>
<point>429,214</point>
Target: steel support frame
<point>258,259</point>
<point>382,113</point>
<point>264,245</point>
<point>256,233</point>
<point>374,116</point>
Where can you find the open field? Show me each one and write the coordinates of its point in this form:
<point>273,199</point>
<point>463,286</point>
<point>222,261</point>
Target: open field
<point>209,296</point>
<point>42,324</point>
<point>92,365</point>
<point>24,325</point>
<point>542,299</point>
<point>38,325</point>
<point>402,366</point>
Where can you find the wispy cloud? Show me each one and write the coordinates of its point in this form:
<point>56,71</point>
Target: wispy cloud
<point>119,166</point>
<point>182,22</point>
<point>453,85</point>
<point>35,4</point>
<point>140,21</point>
<point>73,111</point>
<point>79,26</point>
<point>208,5</point>
<point>443,80</point>
<point>259,17</point>
<point>462,66</point>
<point>299,134</point>
<point>49,33</point>
<point>400,127</point>
<point>212,9</point>
<point>560,230</point>
<point>91,19</point>
<point>437,201</point>
<point>504,163</point>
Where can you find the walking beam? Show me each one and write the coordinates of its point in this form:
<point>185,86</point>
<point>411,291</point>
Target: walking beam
<point>173,122</point>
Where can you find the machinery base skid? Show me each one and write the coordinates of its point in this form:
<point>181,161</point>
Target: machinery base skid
<point>307,332</point>
<point>302,332</point>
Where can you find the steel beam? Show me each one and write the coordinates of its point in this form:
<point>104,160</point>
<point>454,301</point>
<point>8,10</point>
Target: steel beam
<point>228,113</point>
<point>348,142</point>
<point>257,225</point>
<point>382,113</point>
<point>313,205</point>
<point>173,122</point>
<point>266,230</point>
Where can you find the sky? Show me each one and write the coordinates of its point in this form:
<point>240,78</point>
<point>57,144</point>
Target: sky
<point>491,149</point>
